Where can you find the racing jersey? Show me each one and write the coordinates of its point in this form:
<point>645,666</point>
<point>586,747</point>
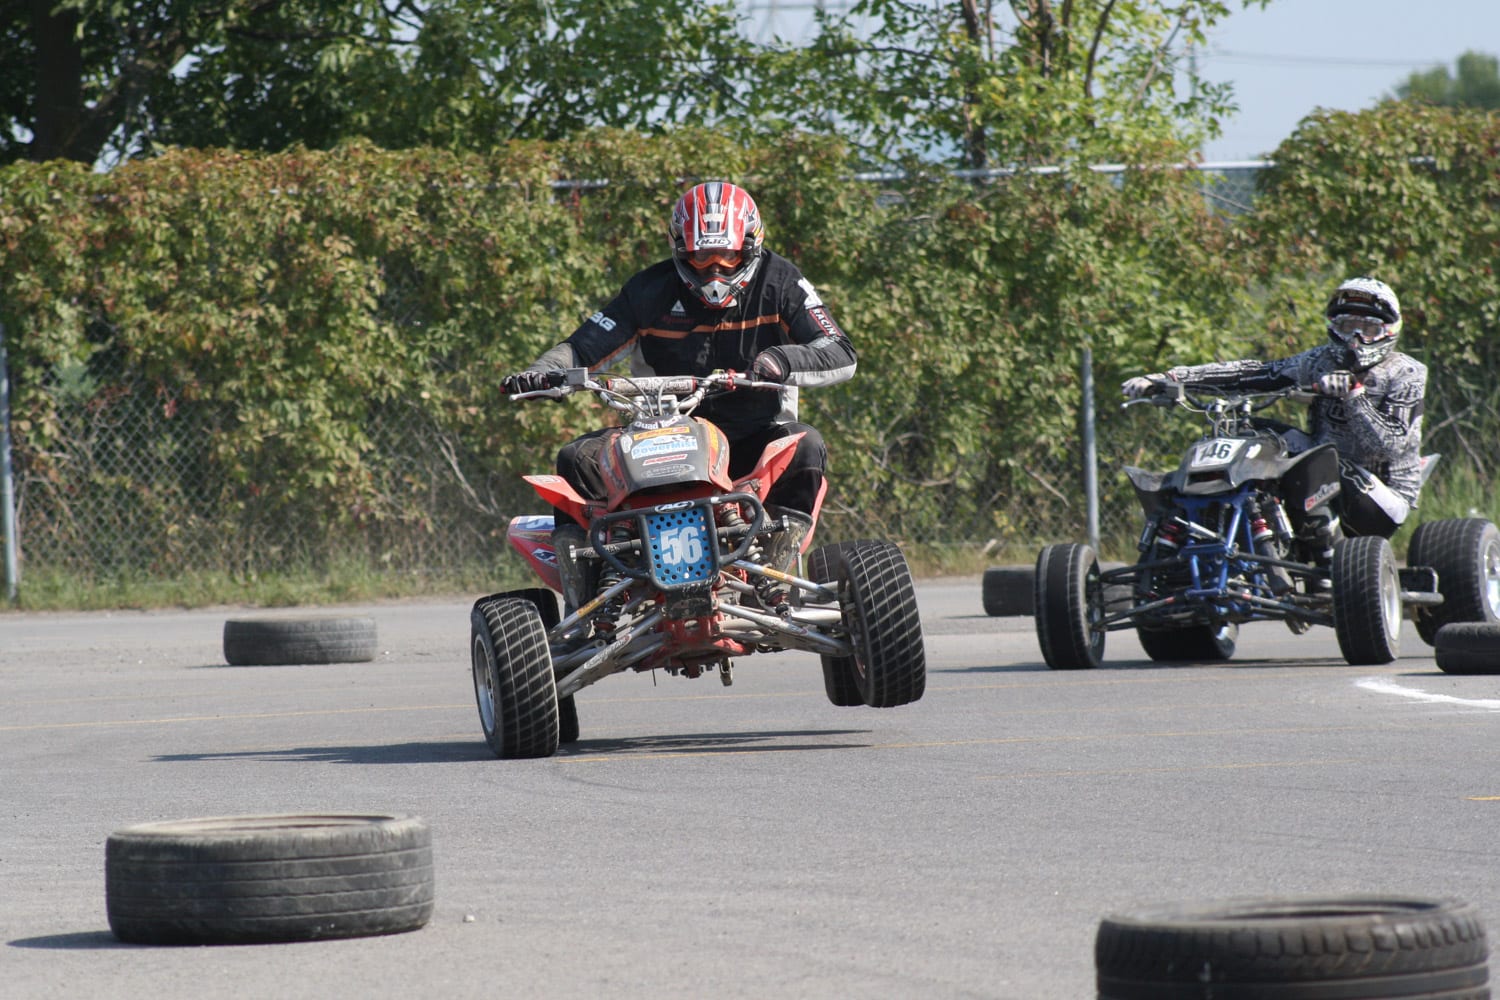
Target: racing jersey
<point>1380,429</point>
<point>666,330</point>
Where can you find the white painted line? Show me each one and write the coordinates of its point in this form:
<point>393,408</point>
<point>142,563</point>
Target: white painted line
<point>1381,685</point>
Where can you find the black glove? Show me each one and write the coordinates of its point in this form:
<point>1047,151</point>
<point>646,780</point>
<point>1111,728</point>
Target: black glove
<point>768,367</point>
<point>527,381</point>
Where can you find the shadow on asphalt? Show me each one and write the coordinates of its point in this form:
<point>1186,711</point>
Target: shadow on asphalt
<point>83,941</point>
<point>709,743</point>
<point>437,752</point>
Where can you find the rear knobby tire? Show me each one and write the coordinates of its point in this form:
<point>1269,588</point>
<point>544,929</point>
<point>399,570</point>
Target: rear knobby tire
<point>840,676</point>
<point>1465,551</point>
<point>1468,648</point>
<point>1295,949</point>
<point>1069,599</point>
<point>1366,600</point>
<point>1194,644</point>
<point>249,879</point>
<point>880,612</point>
<point>281,642</point>
<point>513,682</point>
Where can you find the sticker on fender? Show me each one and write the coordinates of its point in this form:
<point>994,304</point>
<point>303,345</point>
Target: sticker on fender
<point>1219,451</point>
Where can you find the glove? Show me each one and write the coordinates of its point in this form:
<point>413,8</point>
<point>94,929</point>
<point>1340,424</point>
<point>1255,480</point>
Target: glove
<point>527,381</point>
<point>1339,385</point>
<point>1141,385</point>
<point>768,367</point>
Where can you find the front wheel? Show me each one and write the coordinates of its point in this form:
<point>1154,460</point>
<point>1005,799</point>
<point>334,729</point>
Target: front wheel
<point>513,681</point>
<point>880,609</point>
<point>1069,603</point>
<point>1366,600</point>
<point>840,675</point>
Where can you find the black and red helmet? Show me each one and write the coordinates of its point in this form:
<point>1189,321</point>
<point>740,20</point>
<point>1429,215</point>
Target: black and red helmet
<point>716,238</point>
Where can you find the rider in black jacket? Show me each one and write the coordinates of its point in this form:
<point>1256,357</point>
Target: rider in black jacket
<point>722,301</point>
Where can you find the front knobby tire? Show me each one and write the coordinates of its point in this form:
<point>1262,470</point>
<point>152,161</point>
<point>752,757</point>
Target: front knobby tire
<point>1465,551</point>
<point>1069,601</point>
<point>513,682</point>
<point>1366,600</point>
<point>840,675</point>
<point>880,612</point>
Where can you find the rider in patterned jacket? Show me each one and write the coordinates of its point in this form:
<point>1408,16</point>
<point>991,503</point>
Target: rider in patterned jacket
<point>722,301</point>
<point>1369,406</point>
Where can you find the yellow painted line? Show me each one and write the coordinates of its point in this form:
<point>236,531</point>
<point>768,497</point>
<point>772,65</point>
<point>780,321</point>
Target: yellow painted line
<point>1245,766</point>
<point>173,720</point>
<point>1484,798</point>
<point>625,754</point>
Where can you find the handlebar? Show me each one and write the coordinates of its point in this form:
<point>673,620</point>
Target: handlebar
<point>621,392</point>
<point>1204,397</point>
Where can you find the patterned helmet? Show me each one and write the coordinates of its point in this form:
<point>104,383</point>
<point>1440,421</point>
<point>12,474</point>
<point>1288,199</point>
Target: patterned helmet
<point>1364,318</point>
<point>716,241</point>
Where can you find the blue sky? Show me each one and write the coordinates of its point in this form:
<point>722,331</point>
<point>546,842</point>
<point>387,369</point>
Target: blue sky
<point>1298,55</point>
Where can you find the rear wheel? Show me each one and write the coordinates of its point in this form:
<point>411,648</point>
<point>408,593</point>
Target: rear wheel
<point>1366,600</point>
<point>1069,602</point>
<point>880,611</point>
<point>1465,551</point>
<point>513,681</point>
<point>840,680</point>
<point>1196,643</point>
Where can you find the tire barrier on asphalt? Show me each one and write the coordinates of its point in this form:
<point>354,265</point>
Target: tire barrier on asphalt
<point>1468,648</point>
<point>1294,948</point>
<point>280,642</point>
<point>1007,591</point>
<point>253,879</point>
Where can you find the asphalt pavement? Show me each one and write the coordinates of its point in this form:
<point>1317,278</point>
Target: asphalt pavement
<point>742,841</point>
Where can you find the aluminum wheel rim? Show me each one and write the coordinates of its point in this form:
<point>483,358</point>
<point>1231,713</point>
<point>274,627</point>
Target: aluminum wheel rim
<point>1492,579</point>
<point>484,690</point>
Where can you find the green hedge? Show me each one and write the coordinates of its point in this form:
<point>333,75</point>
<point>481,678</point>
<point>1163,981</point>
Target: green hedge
<point>288,310</point>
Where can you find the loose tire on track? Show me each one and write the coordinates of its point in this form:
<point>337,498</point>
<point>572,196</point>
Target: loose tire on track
<point>281,642</point>
<point>840,675</point>
<point>880,611</point>
<point>513,682</point>
<point>1468,648</point>
<point>1195,643</point>
<point>1298,948</point>
<point>1465,551</point>
<point>1069,600</point>
<point>1366,600</point>
<point>1008,591</point>
<point>247,879</point>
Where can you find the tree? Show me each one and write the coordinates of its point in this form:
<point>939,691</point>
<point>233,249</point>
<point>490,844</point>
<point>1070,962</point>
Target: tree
<point>1476,84</point>
<point>1023,81</point>
<point>91,79</point>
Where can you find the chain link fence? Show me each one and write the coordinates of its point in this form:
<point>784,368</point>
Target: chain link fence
<point>132,486</point>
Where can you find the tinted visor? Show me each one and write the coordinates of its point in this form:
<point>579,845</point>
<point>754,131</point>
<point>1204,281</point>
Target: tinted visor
<point>1365,329</point>
<point>718,258</point>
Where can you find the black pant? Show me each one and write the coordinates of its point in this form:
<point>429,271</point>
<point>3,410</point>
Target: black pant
<point>797,489</point>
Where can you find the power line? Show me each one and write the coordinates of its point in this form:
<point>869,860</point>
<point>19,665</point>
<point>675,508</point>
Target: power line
<point>1290,59</point>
